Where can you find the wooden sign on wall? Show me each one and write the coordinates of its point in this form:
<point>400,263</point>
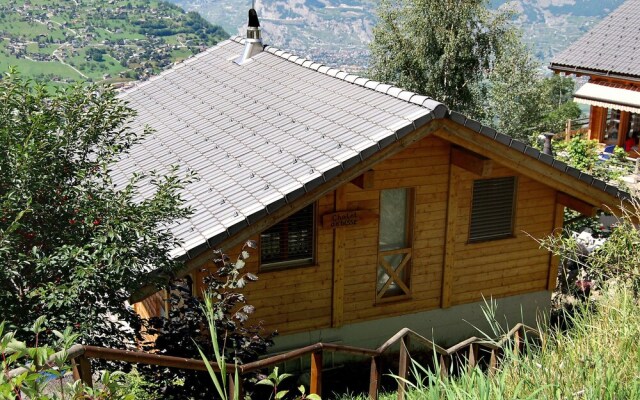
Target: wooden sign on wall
<point>342,219</point>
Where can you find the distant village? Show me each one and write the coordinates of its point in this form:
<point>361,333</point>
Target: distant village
<point>115,41</point>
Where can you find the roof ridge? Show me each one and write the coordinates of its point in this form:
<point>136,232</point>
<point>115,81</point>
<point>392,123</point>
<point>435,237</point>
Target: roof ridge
<point>384,88</point>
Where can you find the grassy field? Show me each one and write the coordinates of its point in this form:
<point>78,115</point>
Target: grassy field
<point>37,69</point>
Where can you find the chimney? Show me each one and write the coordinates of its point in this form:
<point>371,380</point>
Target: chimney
<point>546,138</point>
<point>253,41</point>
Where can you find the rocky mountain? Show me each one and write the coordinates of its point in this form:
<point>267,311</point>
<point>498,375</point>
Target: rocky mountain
<point>551,25</point>
<point>338,31</point>
<point>335,31</point>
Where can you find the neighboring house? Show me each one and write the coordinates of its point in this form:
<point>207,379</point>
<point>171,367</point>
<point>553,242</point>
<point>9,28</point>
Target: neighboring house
<point>375,208</point>
<point>609,54</point>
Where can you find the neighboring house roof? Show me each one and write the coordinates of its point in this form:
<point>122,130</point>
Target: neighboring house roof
<point>262,134</point>
<point>611,48</point>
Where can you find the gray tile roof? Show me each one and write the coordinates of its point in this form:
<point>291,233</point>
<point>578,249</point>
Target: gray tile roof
<point>257,134</point>
<point>612,47</point>
<point>262,134</point>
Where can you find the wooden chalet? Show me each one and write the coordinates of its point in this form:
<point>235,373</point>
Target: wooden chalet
<point>375,208</point>
<point>609,55</point>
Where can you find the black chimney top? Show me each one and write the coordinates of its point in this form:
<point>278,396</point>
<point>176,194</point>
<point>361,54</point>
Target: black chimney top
<point>253,19</point>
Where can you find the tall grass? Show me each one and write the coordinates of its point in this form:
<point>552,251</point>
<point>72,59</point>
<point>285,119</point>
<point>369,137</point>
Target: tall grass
<point>597,358</point>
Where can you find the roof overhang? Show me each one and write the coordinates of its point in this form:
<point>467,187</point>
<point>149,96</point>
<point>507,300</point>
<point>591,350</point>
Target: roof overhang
<point>611,96</point>
<point>583,71</point>
<point>468,134</point>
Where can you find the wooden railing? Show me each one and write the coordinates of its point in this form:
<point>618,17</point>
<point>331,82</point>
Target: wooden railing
<point>574,127</point>
<point>80,356</point>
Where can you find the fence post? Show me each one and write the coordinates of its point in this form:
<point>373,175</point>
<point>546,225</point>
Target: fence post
<point>402,367</point>
<point>82,370</point>
<point>567,131</point>
<point>316,373</point>
<point>473,356</point>
<point>234,386</point>
<point>445,362</point>
<point>493,362</point>
<point>374,377</point>
<point>517,341</point>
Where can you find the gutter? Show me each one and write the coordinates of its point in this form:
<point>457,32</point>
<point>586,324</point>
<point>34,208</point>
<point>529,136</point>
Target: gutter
<point>592,72</point>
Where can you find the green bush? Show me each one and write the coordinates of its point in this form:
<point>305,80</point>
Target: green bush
<point>40,372</point>
<point>73,247</point>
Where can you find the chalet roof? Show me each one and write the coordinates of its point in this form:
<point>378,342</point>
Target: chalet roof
<point>262,134</point>
<point>611,48</point>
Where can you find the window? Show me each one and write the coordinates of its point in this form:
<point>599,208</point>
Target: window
<point>394,243</point>
<point>492,209</point>
<point>289,242</point>
<point>613,126</point>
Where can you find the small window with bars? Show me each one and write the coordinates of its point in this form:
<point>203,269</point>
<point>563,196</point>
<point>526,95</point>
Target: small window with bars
<point>492,209</point>
<point>289,242</point>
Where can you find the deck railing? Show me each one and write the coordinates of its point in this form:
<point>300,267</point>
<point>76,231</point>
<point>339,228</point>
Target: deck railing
<point>81,354</point>
<point>574,127</point>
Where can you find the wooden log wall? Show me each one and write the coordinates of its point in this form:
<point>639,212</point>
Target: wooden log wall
<point>509,266</point>
<point>305,298</point>
<point>152,306</point>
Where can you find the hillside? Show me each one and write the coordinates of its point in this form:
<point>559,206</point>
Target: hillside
<point>338,31</point>
<point>93,40</point>
<point>549,26</point>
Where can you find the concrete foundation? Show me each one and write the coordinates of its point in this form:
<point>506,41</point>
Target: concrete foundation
<point>443,326</point>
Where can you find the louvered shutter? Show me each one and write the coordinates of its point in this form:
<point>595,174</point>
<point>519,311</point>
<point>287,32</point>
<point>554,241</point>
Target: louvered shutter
<point>289,242</point>
<point>492,209</point>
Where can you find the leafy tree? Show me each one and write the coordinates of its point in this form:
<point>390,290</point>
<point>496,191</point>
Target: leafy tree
<point>513,103</point>
<point>559,106</point>
<point>472,59</point>
<point>521,101</point>
<point>72,246</point>
<point>442,48</point>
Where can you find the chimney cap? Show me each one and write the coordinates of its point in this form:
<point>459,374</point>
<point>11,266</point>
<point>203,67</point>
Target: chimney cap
<point>253,19</point>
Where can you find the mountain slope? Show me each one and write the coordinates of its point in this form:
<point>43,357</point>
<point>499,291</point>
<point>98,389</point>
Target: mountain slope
<point>549,26</point>
<point>63,41</point>
<point>338,31</point>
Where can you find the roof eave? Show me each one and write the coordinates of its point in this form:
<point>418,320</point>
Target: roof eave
<point>474,136</point>
<point>233,236</point>
<point>568,69</point>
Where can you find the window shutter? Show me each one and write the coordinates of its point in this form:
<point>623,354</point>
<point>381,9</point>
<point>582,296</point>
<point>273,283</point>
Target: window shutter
<point>290,240</point>
<point>492,209</point>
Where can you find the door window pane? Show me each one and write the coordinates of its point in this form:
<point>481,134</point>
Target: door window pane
<point>394,243</point>
<point>393,219</point>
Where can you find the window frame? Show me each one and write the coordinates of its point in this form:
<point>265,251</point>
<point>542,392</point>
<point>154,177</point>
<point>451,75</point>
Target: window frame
<point>383,295</point>
<point>514,204</point>
<point>293,263</point>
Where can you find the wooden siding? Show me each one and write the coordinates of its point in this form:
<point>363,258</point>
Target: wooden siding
<point>150,307</point>
<point>304,298</point>
<point>425,167</point>
<point>291,299</point>
<point>503,267</point>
